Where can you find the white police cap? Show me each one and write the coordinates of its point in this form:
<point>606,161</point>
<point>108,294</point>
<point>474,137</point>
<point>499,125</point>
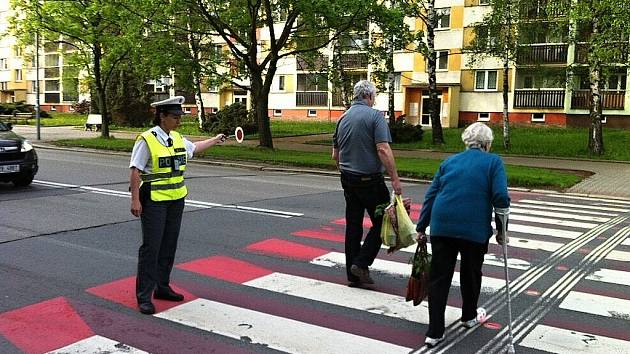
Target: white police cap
<point>171,105</point>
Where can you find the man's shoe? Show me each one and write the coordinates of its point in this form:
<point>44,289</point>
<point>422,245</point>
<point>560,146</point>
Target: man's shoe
<point>168,294</point>
<point>146,308</point>
<point>363,274</point>
<point>432,342</point>
<point>471,323</point>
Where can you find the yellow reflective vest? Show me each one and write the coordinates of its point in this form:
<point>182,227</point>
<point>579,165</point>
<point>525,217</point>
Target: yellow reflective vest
<point>169,164</point>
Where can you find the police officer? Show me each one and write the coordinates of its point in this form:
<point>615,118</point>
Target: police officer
<point>158,162</point>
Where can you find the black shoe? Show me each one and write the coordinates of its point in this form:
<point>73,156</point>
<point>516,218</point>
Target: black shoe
<point>146,308</point>
<point>363,274</point>
<point>168,294</point>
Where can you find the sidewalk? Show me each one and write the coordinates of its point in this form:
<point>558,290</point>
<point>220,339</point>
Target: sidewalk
<point>610,179</point>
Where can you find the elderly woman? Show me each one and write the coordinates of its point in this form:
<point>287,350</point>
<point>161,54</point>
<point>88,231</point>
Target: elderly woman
<point>458,206</point>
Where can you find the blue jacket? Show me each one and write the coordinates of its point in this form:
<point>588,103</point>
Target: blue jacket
<point>460,201</point>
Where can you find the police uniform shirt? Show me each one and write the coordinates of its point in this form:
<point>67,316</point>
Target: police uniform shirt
<point>141,156</point>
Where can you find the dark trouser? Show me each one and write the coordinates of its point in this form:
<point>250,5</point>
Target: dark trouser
<point>443,259</point>
<point>160,229</point>
<point>362,193</point>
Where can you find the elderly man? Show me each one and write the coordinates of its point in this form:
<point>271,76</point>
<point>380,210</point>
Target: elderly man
<point>362,152</point>
<point>458,206</point>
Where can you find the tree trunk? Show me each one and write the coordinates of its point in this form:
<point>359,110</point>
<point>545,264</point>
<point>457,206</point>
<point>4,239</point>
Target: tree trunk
<point>391,83</point>
<point>100,91</point>
<point>595,138</point>
<point>193,46</point>
<point>434,109</point>
<point>260,103</point>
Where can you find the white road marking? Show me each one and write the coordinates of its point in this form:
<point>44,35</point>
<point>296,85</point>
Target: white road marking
<point>622,256</point>
<point>516,210</point>
<point>597,305</point>
<point>564,341</point>
<point>555,208</point>
<point>611,276</point>
<point>97,344</point>
<point>574,224</point>
<point>542,231</point>
<point>342,295</point>
<point>189,202</point>
<point>578,206</point>
<point>591,199</point>
<point>530,244</point>
<point>337,259</point>
<point>273,331</point>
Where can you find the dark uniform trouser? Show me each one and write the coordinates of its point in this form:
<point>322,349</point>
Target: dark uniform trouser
<point>161,222</point>
<point>443,259</point>
<point>362,193</point>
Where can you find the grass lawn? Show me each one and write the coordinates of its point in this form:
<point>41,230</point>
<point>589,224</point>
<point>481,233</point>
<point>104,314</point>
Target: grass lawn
<point>60,119</point>
<point>518,176</point>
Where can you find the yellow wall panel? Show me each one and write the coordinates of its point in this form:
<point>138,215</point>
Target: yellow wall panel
<point>467,80</point>
<point>457,17</point>
<point>289,83</point>
<point>455,59</point>
<point>469,35</point>
<point>419,64</point>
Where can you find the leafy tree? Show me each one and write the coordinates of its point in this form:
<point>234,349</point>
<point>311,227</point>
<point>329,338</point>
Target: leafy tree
<point>425,44</point>
<point>99,34</point>
<point>293,27</point>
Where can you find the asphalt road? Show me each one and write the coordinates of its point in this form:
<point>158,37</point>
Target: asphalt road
<point>260,261</point>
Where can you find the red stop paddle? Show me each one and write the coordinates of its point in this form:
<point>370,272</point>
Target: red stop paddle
<point>238,135</point>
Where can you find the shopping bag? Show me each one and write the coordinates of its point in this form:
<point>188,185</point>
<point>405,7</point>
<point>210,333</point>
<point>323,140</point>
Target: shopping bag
<point>388,231</point>
<point>418,284</point>
<point>406,227</point>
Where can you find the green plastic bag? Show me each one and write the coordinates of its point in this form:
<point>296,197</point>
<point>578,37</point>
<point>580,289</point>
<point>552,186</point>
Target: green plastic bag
<point>397,230</point>
<point>388,233</point>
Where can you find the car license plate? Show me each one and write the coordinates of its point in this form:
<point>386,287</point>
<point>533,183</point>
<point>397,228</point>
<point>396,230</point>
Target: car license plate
<point>9,168</point>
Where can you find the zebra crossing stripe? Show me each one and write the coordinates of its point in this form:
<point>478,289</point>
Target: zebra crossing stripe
<point>97,344</point>
<point>542,231</point>
<point>341,295</point>
<point>272,331</point>
<point>528,211</point>
<point>517,242</point>
<point>597,305</point>
<point>621,256</point>
<point>611,276</point>
<point>592,199</point>
<point>547,220</point>
<point>573,211</point>
<point>576,206</point>
<point>564,341</point>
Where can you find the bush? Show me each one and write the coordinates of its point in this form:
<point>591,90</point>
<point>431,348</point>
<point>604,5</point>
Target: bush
<point>403,132</point>
<point>82,107</point>
<point>16,107</point>
<point>230,117</point>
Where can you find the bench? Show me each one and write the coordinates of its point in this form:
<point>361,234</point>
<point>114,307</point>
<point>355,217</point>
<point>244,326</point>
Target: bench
<point>94,121</point>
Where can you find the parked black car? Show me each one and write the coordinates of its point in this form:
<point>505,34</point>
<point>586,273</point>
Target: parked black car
<point>18,160</point>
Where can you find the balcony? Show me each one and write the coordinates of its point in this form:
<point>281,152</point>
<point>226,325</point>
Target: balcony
<point>354,61</point>
<point>542,54</point>
<point>311,98</point>
<point>318,63</point>
<point>581,52</point>
<point>581,99</point>
<point>539,98</point>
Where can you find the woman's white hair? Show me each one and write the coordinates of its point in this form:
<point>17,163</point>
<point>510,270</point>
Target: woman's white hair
<point>477,135</point>
<point>364,90</point>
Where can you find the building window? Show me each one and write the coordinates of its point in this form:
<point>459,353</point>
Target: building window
<point>4,86</point>
<point>33,86</point>
<point>603,119</point>
<point>4,63</point>
<point>397,82</point>
<point>186,110</point>
<point>442,60</point>
<point>483,117</point>
<point>485,80</point>
<point>18,74</point>
<point>18,51</point>
<point>312,113</point>
<point>444,18</point>
<point>484,2</point>
<point>280,79</point>
<point>538,117</point>
<point>528,82</point>
<point>277,112</point>
<point>214,110</point>
<point>51,60</point>
<point>312,82</point>
<point>51,85</point>
<point>51,97</point>
<point>53,108</point>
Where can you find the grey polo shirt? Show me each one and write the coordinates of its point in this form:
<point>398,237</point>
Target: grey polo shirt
<point>356,136</point>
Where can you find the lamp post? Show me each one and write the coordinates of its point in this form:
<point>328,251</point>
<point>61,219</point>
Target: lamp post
<point>37,108</point>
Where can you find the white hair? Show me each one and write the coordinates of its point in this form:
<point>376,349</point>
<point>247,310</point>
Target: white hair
<point>477,135</point>
<point>364,90</point>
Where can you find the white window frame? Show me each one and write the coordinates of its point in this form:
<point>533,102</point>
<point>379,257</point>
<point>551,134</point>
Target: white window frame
<point>18,75</point>
<point>537,119</point>
<point>604,119</point>
<point>484,2</point>
<point>311,113</point>
<point>484,119</point>
<point>397,79</point>
<point>277,113</point>
<point>214,110</point>
<point>486,75</point>
<point>186,110</point>
<point>4,63</point>
<point>443,13</point>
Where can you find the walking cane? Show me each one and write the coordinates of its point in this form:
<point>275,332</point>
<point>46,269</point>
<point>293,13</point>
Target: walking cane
<point>503,215</point>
